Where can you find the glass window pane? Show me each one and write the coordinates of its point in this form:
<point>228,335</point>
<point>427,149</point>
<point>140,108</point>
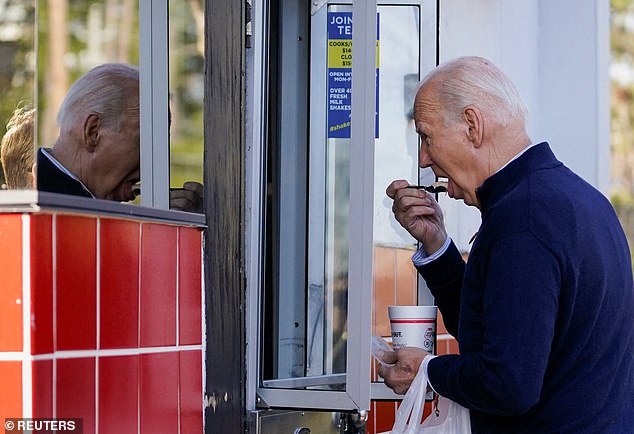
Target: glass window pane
<point>186,68</point>
<point>73,38</point>
<point>17,92</point>
<point>314,356</point>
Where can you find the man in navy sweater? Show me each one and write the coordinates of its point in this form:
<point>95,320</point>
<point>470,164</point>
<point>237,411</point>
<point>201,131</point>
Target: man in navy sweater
<point>543,310</point>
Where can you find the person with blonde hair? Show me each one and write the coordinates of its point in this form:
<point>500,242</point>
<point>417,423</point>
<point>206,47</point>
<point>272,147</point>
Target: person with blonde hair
<point>16,152</point>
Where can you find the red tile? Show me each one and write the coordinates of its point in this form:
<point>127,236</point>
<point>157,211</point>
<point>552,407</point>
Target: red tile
<point>191,392</point>
<point>158,285</point>
<point>42,388</point>
<point>11,278</point>
<point>41,284</point>
<point>118,394</point>
<point>440,325</point>
<point>119,285</point>
<point>441,347</point>
<point>76,282</point>
<point>384,287</point>
<point>189,286</point>
<point>385,415</point>
<point>75,390</point>
<point>11,395</point>
<point>159,393</point>
<point>406,278</point>
<point>453,346</point>
<point>427,409</point>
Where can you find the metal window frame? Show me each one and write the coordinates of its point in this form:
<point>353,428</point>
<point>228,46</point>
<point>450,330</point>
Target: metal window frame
<point>356,394</point>
<point>358,387</point>
<point>154,100</point>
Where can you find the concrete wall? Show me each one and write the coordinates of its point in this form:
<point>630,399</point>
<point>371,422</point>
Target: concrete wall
<point>557,53</point>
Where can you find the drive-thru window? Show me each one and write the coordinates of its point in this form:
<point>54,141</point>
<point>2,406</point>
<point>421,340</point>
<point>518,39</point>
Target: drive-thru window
<point>254,313</point>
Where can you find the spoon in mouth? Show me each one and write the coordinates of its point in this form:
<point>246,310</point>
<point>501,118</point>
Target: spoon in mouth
<point>436,187</point>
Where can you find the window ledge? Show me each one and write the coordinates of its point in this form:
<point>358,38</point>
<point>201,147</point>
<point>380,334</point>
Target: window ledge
<point>12,201</point>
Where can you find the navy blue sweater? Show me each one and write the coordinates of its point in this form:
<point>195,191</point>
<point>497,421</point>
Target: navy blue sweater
<point>544,309</point>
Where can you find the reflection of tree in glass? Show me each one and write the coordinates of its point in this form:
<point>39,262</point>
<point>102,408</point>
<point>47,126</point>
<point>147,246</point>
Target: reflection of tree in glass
<point>17,68</point>
<point>622,113</point>
<point>74,37</point>
<point>186,60</point>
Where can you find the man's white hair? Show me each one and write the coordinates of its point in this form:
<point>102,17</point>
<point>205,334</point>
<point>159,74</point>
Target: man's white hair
<point>106,90</point>
<point>473,80</point>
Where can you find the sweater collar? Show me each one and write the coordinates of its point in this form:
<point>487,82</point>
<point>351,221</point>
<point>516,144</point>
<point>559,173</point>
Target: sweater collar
<point>497,185</point>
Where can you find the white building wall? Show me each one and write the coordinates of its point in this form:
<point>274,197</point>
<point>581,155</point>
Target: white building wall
<point>557,53</point>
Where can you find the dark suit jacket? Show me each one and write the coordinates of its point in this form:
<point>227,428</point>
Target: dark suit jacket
<point>50,178</point>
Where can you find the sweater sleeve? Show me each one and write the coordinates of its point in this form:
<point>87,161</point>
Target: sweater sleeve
<point>444,279</point>
<point>519,309</point>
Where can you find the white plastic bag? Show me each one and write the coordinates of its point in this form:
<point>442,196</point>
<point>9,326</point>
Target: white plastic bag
<point>447,418</point>
<point>450,418</point>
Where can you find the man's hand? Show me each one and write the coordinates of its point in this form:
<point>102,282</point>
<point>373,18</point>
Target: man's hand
<point>406,362</point>
<point>189,198</point>
<point>419,213</point>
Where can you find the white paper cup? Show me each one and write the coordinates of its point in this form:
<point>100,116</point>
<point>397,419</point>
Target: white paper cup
<point>413,326</point>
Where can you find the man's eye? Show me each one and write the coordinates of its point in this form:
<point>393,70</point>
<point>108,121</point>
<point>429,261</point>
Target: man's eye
<point>424,138</point>
<point>428,140</point>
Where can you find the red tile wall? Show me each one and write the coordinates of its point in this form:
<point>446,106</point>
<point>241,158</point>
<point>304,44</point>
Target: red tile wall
<point>395,283</point>
<point>11,396</point>
<point>158,285</point>
<point>75,282</point>
<point>158,375</point>
<point>41,262</point>
<point>116,323</point>
<point>11,329</point>
<point>119,290</point>
<point>118,395</point>
<point>189,286</point>
<point>11,278</point>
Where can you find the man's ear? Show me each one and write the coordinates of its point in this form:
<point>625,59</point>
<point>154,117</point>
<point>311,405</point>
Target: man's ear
<point>92,129</point>
<point>475,129</point>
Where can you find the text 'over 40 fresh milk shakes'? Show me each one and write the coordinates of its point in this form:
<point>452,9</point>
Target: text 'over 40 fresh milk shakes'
<point>413,326</point>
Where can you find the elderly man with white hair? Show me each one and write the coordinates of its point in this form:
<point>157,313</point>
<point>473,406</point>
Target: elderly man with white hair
<point>97,152</point>
<point>543,309</point>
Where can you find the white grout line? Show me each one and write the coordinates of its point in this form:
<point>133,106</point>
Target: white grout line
<point>98,317</point>
<point>138,331</point>
<point>77,354</point>
<point>203,325</point>
<point>27,373</point>
<point>178,316</point>
<point>178,393</point>
<point>12,356</point>
<point>138,290</point>
<point>178,235</point>
<point>54,284</point>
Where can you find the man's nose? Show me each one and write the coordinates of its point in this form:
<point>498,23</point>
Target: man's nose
<point>423,157</point>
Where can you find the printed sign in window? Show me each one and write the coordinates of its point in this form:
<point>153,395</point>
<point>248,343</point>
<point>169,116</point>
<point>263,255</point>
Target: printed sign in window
<point>340,75</point>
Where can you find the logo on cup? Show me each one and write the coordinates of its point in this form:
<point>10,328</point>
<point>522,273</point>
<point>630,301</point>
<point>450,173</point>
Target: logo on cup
<point>428,343</point>
<point>413,326</point>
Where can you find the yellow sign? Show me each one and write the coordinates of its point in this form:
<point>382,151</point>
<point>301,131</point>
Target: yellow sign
<point>340,53</point>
